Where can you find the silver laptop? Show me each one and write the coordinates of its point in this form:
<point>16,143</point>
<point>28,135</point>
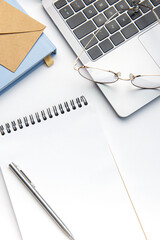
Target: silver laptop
<point>129,44</point>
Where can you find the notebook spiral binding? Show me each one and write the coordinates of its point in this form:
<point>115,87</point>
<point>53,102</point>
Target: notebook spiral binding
<point>43,115</point>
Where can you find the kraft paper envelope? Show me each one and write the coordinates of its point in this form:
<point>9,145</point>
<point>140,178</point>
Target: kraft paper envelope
<point>18,34</point>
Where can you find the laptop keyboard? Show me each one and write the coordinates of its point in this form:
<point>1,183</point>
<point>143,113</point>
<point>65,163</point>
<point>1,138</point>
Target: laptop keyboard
<point>85,17</point>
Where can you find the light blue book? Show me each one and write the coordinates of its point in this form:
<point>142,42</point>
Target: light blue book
<point>42,48</point>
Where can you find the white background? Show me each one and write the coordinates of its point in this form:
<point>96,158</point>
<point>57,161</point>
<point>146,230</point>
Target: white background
<point>134,140</point>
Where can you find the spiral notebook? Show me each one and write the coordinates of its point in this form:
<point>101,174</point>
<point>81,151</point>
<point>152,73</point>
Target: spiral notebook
<point>63,151</point>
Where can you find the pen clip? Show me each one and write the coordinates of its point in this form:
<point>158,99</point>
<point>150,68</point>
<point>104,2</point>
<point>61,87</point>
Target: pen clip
<point>25,176</point>
<point>15,168</point>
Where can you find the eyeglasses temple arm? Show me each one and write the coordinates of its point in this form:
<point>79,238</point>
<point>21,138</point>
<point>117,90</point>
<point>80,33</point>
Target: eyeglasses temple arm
<point>150,8</point>
<point>94,34</point>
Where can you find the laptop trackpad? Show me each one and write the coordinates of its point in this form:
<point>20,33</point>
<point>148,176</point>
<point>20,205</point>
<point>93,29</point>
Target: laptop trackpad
<point>151,42</point>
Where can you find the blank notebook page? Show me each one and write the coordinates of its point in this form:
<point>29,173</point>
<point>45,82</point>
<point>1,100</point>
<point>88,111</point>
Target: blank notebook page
<point>69,162</point>
<point>8,224</point>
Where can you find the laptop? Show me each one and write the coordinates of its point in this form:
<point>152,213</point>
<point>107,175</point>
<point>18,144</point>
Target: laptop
<point>130,44</point>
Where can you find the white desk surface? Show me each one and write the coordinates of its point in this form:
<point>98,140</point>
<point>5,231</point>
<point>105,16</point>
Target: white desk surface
<point>132,139</point>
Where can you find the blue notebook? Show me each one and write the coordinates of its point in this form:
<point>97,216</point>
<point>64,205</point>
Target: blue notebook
<point>42,48</point>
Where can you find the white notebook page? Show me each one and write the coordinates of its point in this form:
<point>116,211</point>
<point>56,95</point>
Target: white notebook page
<point>68,160</point>
<point>8,224</point>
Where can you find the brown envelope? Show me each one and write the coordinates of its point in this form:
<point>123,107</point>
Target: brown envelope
<point>18,34</point>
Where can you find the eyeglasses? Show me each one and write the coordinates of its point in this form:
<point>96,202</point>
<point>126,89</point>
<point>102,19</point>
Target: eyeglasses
<point>104,76</point>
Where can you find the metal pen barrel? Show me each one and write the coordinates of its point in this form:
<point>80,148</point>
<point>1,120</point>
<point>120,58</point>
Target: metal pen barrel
<point>25,180</point>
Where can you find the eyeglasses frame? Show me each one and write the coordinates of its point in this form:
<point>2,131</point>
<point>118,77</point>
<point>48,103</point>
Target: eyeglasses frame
<point>135,8</point>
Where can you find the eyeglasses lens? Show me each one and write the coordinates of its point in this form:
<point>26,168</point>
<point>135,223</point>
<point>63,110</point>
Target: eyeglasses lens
<point>147,81</point>
<point>100,76</point>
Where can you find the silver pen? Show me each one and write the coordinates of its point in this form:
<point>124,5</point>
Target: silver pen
<point>25,180</point>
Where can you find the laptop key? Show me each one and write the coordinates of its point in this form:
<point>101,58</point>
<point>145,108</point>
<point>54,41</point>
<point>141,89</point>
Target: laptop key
<point>123,20</point>
<point>77,5</point>
<point>85,40</point>
<point>60,3</point>
<point>99,20</point>
<point>130,2</point>
<point>76,20</point>
<point>155,2</point>
<point>90,12</point>
<point>101,5</point>
<point>117,38</point>
<point>102,34</point>
<point>157,10</point>
<point>106,45</point>
<point>112,26</point>
<point>66,12</point>
<point>121,5</point>
<point>134,15</point>
<point>146,20</point>
<point>110,12</point>
<point>84,29</point>
<point>87,2</point>
<point>145,3</point>
<point>95,52</point>
<point>111,2</point>
<point>129,31</point>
